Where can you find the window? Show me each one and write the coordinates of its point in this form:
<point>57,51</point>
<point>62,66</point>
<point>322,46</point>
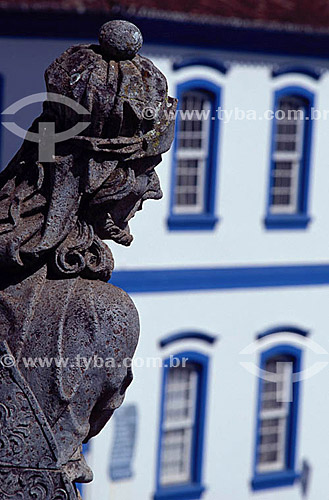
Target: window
<point>192,153</point>
<point>124,442</point>
<point>287,156</point>
<point>177,430</point>
<point>277,418</point>
<point>182,427</point>
<point>290,158</point>
<point>274,415</point>
<point>195,157</point>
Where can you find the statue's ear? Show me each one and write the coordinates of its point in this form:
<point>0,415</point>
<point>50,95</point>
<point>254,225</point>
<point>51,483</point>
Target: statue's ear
<point>64,203</point>
<point>97,173</point>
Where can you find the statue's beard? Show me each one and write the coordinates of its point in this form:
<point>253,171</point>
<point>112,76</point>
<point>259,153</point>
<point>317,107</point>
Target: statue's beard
<point>114,226</point>
<point>111,219</point>
<point>118,234</point>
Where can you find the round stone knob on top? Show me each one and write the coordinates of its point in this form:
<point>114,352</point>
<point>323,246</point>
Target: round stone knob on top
<point>120,40</point>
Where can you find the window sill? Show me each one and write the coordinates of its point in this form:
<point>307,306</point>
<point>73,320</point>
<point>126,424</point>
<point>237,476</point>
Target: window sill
<point>274,480</point>
<point>287,221</point>
<point>192,222</point>
<point>187,492</point>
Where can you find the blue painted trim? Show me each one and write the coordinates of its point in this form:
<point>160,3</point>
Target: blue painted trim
<point>201,222</point>
<point>189,492</point>
<point>274,480</point>
<point>288,475</point>
<point>284,328</point>
<point>194,489</point>
<point>300,220</point>
<point>287,221</point>
<point>173,280</point>
<point>161,31</point>
<point>303,70</point>
<point>201,61</point>
<point>207,219</point>
<point>210,339</point>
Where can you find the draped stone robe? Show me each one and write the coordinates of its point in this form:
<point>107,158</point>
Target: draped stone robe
<point>77,333</point>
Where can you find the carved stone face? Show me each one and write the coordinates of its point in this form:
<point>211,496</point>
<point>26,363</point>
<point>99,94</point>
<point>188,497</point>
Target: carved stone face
<point>121,196</point>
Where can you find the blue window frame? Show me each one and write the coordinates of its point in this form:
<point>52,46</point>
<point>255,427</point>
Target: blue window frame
<point>187,62</point>
<point>309,71</point>
<point>182,421</point>
<point>287,206</point>
<point>195,157</point>
<point>277,418</point>
<point>195,335</point>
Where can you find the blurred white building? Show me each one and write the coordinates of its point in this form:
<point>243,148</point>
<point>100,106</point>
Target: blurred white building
<point>230,270</point>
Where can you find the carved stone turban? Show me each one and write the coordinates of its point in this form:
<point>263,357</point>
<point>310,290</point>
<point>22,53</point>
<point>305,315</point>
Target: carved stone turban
<point>131,114</point>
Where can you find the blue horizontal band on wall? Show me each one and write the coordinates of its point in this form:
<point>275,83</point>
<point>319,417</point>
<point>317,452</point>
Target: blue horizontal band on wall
<point>245,37</point>
<point>171,280</point>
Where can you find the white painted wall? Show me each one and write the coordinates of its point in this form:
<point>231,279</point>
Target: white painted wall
<point>236,317</point>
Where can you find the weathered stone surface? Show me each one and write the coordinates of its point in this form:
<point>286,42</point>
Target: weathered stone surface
<point>120,40</point>
<point>18,484</point>
<point>55,302</point>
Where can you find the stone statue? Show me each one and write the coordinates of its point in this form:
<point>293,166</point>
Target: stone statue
<point>55,302</point>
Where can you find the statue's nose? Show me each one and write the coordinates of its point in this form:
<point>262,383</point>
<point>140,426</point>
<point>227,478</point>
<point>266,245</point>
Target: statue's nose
<point>80,470</point>
<point>154,188</point>
<point>157,194</point>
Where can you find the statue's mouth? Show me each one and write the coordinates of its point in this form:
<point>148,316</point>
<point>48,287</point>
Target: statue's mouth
<point>116,231</point>
<point>119,230</point>
<point>114,224</point>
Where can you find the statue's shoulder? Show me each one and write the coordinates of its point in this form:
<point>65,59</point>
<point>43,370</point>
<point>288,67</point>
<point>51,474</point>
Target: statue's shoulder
<point>111,304</point>
<point>104,292</point>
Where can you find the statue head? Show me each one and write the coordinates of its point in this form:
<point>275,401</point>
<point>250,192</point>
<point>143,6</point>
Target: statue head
<point>61,211</point>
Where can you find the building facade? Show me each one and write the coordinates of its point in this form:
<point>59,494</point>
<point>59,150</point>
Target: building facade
<point>229,271</point>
